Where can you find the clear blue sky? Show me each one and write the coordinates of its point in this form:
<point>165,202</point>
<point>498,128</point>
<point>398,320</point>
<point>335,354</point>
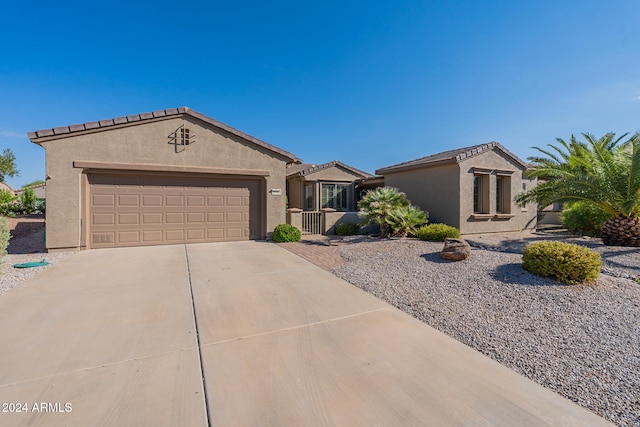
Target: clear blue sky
<point>371,83</point>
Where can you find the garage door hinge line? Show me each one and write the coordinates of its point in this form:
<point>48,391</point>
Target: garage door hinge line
<point>195,322</point>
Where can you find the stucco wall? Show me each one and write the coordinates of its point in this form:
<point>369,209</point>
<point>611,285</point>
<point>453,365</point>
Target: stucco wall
<point>332,174</point>
<point>434,189</point>
<point>495,163</point>
<point>148,143</point>
<point>294,193</point>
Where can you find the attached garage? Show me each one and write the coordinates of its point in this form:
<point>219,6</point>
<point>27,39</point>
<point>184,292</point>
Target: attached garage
<point>169,177</point>
<point>136,210</point>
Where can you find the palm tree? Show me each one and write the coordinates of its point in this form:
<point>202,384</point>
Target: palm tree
<point>604,172</point>
<point>376,205</point>
<point>405,220</point>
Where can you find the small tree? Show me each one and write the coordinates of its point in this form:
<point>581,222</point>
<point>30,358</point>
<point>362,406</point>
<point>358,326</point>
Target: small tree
<point>7,165</point>
<point>28,201</point>
<point>605,172</point>
<point>389,208</point>
<point>405,220</point>
<point>378,203</point>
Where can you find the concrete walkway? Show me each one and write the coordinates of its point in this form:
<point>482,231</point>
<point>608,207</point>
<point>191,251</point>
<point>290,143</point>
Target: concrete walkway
<point>240,334</point>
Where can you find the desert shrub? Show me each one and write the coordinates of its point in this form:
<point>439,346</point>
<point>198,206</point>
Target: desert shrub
<point>10,209</point>
<point>41,206</point>
<point>28,201</point>
<point>377,204</point>
<point>584,218</point>
<point>286,233</point>
<point>4,238</point>
<point>8,204</point>
<point>404,220</point>
<point>391,210</point>
<point>347,229</point>
<point>6,196</point>
<point>437,232</point>
<point>565,262</point>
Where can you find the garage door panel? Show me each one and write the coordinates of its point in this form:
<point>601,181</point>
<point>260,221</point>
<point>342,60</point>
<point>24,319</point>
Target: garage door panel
<point>152,218</point>
<point>128,200</point>
<point>234,233</point>
<point>234,217</point>
<point>196,234</point>
<point>215,217</point>
<point>215,234</point>
<point>195,200</point>
<point>129,218</point>
<point>195,218</point>
<point>173,200</point>
<point>125,237</point>
<point>152,236</point>
<point>215,201</point>
<point>128,210</point>
<point>233,201</point>
<point>152,200</point>
<point>174,218</point>
<point>174,235</point>
<point>107,200</point>
<point>104,219</point>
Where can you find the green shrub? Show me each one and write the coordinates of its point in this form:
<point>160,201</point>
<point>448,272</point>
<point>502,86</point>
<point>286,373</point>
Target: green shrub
<point>6,196</point>
<point>5,236</point>
<point>28,201</point>
<point>565,262</point>
<point>404,220</point>
<point>41,206</point>
<point>584,218</point>
<point>286,233</point>
<point>347,229</point>
<point>8,204</point>
<point>376,205</point>
<point>10,209</point>
<point>437,232</point>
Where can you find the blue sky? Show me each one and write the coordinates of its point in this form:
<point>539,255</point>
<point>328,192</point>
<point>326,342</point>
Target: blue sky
<point>370,83</point>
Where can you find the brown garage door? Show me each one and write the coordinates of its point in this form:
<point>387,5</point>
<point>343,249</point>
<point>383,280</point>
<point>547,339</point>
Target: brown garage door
<point>129,210</point>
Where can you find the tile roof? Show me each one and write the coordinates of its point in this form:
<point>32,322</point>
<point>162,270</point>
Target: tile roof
<point>306,169</point>
<point>64,131</point>
<point>452,156</point>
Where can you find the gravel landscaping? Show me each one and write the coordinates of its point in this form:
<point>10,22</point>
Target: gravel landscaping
<point>580,341</point>
<point>26,245</point>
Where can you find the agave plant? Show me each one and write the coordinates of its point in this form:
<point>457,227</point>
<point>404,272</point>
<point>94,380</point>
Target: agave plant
<point>602,171</point>
<point>378,203</point>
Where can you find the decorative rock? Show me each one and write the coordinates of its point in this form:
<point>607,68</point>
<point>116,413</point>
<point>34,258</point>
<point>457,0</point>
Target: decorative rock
<point>455,249</point>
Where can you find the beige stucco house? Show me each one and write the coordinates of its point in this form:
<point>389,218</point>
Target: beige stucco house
<point>4,186</point>
<point>322,196</point>
<point>40,190</point>
<point>471,188</point>
<point>329,185</point>
<point>168,176</point>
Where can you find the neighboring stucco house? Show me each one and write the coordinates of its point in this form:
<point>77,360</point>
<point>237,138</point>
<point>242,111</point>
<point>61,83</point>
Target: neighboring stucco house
<point>4,186</point>
<point>168,176</point>
<point>329,185</point>
<point>471,188</point>
<point>40,190</point>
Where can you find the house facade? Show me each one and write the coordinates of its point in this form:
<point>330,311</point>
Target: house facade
<point>471,188</point>
<point>168,176</point>
<point>329,185</point>
<point>39,190</point>
<point>5,187</point>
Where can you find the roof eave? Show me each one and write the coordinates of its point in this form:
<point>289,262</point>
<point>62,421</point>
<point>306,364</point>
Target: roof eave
<point>395,169</point>
<point>40,136</point>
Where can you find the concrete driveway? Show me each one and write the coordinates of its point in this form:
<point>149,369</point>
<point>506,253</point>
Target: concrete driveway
<point>239,334</point>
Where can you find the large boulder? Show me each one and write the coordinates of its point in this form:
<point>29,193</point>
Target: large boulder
<point>455,249</point>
